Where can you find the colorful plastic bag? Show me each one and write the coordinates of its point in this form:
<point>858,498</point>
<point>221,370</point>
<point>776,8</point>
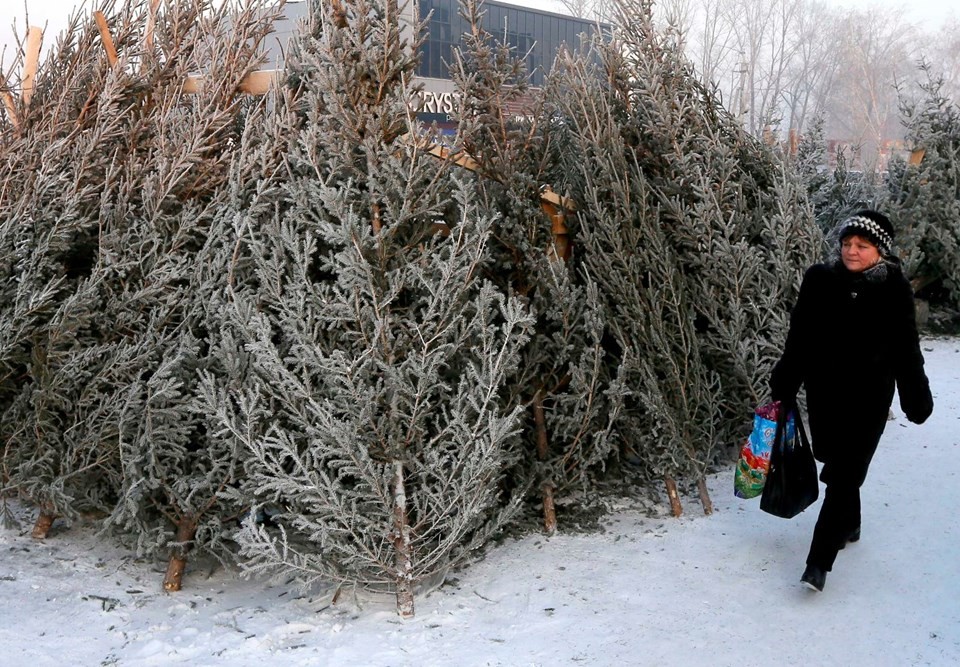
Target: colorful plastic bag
<point>754,462</point>
<point>791,485</point>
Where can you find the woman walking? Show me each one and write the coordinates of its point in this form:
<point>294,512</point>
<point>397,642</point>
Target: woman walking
<point>852,339</point>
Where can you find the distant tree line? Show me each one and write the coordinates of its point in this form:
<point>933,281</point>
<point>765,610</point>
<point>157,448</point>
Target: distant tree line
<point>781,64</point>
<point>919,191</point>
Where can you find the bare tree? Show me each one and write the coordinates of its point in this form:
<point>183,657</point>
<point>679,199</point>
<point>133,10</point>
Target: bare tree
<point>675,17</point>
<point>942,50</point>
<point>815,65</point>
<point>878,54</point>
<point>598,10</point>
<point>778,63</point>
<point>764,39</point>
<point>746,48</point>
<point>715,54</point>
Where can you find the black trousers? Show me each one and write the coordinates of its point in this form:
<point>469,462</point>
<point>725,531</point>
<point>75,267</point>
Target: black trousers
<point>839,517</point>
<point>844,471</point>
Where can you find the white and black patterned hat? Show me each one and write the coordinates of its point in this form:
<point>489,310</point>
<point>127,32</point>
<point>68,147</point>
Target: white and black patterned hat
<point>872,225</point>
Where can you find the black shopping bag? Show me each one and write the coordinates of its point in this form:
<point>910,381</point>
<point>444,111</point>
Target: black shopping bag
<point>791,485</point>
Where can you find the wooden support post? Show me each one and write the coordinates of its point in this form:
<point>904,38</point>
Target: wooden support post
<point>768,136</point>
<point>9,104</point>
<point>31,60</point>
<point>561,235</point>
<point>675,507</point>
<point>704,496</point>
<point>558,227</point>
<point>151,23</point>
<point>441,228</point>
<point>106,38</point>
<point>556,208</point>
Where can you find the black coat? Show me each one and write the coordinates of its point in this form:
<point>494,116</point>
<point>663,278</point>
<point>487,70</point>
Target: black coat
<point>852,338</point>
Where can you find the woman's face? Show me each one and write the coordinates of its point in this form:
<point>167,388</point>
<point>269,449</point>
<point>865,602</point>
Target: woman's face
<point>858,254</point>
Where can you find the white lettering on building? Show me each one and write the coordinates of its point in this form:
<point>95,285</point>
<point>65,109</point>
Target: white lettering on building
<point>436,102</point>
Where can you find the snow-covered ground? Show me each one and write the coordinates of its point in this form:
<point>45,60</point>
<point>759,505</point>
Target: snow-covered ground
<point>717,590</point>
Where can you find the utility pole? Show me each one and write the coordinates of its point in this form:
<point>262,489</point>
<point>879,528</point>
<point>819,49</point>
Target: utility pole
<point>742,89</point>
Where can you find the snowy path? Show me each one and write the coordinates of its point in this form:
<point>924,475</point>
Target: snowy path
<point>720,590</point>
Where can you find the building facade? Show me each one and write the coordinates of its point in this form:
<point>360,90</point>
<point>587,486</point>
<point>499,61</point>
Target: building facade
<point>533,34</point>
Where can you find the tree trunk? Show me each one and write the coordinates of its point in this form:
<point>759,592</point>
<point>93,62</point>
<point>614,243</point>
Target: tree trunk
<point>540,420</point>
<point>549,510</point>
<point>543,448</point>
<point>674,496</point>
<point>42,526</point>
<point>376,224</point>
<point>401,544</point>
<point>704,496</point>
<point>173,580</point>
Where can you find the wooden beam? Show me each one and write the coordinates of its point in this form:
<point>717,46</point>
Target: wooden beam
<point>462,159</point>
<point>555,206</point>
<point>548,195</point>
<point>31,60</point>
<point>259,82</point>
<point>255,83</point>
<point>106,38</point>
<point>459,158</point>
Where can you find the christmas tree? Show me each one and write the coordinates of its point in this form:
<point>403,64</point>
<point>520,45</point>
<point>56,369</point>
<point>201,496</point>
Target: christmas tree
<point>376,415</point>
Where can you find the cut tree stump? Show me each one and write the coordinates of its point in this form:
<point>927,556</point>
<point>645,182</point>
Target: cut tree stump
<point>549,509</point>
<point>173,580</point>
<point>42,526</point>
<point>403,557</point>
<point>675,507</point>
<point>543,449</point>
<point>704,496</point>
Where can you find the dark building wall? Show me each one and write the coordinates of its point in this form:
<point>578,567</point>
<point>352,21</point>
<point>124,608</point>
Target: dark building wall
<point>526,30</point>
<point>532,33</point>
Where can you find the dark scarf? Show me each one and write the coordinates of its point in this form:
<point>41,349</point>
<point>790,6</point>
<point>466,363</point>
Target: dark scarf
<point>878,273</point>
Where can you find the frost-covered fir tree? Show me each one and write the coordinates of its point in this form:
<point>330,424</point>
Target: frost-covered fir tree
<point>376,417</point>
<point>836,194</point>
<point>572,406</point>
<point>167,257</point>
<point>109,417</point>
<point>923,196</point>
<point>66,146</point>
<point>695,234</point>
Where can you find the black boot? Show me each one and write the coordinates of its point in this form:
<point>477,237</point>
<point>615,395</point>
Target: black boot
<point>814,578</point>
<point>852,536</point>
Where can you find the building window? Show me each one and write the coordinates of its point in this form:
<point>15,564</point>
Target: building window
<point>538,33</point>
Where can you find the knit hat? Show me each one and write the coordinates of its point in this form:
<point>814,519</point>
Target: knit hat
<point>872,225</point>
